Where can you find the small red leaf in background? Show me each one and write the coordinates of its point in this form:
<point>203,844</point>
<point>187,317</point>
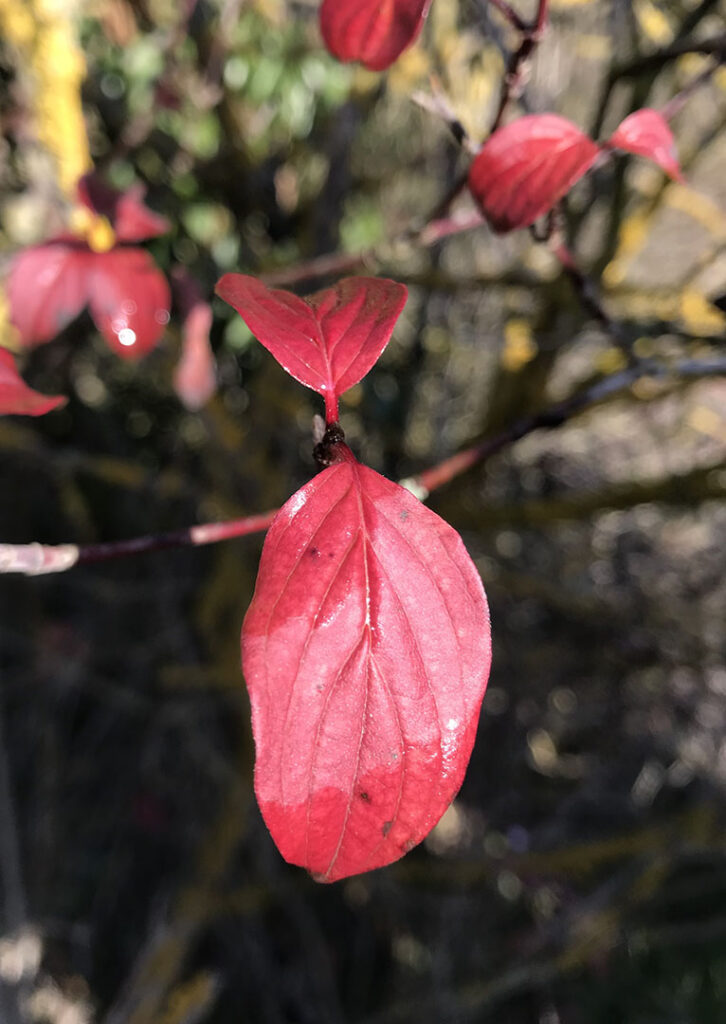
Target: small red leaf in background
<point>16,398</point>
<point>374,32</point>
<point>526,167</point>
<point>647,133</point>
<point>129,300</point>
<point>47,288</point>
<point>366,652</point>
<point>328,341</point>
<point>132,220</point>
<point>135,221</point>
<point>195,377</point>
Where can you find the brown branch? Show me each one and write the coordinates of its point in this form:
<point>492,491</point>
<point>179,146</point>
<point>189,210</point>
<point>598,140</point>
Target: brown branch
<point>586,290</point>
<point>435,230</point>
<point>676,103</point>
<point>510,14</point>
<point>517,73</point>
<point>41,559</point>
<point>714,47</point>
<point>557,415</point>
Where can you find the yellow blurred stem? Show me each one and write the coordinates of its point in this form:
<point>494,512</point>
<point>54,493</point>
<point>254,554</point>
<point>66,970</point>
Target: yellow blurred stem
<point>43,33</point>
<point>94,228</point>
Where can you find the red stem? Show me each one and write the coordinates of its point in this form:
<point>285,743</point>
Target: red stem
<point>542,16</point>
<point>331,408</point>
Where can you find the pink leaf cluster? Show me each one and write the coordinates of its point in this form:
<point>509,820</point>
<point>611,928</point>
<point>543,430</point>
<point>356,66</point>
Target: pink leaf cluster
<point>128,297</point>
<point>372,32</point>
<point>367,646</point>
<point>525,168</point>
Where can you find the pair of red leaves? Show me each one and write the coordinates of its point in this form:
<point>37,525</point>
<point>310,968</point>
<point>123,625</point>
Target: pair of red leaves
<point>128,296</point>
<point>372,32</point>
<point>367,646</point>
<point>525,168</point>
<point>16,398</point>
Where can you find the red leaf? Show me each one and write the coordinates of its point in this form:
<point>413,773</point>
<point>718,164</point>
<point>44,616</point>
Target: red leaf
<point>526,167</point>
<point>647,133</point>
<point>195,378</point>
<point>134,220</point>
<point>48,287</point>
<point>131,219</point>
<point>366,652</point>
<point>374,32</point>
<point>328,341</point>
<point>129,301</point>
<point>16,398</point>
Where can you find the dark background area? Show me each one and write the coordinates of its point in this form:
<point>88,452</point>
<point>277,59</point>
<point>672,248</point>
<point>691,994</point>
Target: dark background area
<point>580,875</point>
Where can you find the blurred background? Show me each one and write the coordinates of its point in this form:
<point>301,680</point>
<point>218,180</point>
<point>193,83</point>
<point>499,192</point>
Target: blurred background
<point>580,876</point>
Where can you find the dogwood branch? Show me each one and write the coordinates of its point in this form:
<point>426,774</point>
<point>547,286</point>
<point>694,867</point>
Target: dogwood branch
<point>43,559</point>
<point>715,46</point>
<point>510,14</point>
<point>435,230</point>
<point>517,72</point>
<point>585,288</point>
<point>557,415</point>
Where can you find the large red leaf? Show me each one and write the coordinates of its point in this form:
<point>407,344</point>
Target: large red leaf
<point>366,652</point>
<point>526,167</point>
<point>16,398</point>
<point>131,219</point>
<point>129,301</point>
<point>647,133</point>
<point>328,341</point>
<point>374,32</point>
<point>47,287</point>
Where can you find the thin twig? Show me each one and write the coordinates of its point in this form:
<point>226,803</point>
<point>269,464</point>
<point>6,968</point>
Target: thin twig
<point>517,73</point>
<point>435,102</point>
<point>434,230</point>
<point>648,67</point>
<point>714,46</point>
<point>586,290</point>
<point>555,416</point>
<point>40,559</point>
<point>510,14</point>
<point>320,266</point>
<point>676,103</point>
